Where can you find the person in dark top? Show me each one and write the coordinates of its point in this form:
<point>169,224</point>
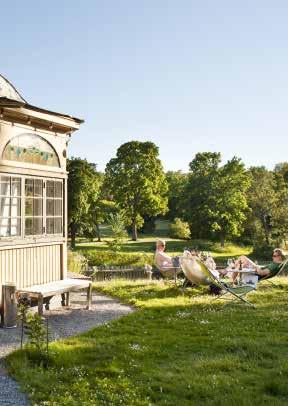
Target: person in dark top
<point>265,271</point>
<point>273,268</point>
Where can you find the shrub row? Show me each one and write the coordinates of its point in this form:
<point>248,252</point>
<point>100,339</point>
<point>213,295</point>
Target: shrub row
<point>97,258</point>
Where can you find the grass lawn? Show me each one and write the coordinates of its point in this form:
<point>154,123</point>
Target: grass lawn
<point>139,252</point>
<point>173,246</point>
<point>175,349</point>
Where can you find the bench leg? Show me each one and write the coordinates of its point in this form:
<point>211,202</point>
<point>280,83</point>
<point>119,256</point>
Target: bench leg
<point>47,304</point>
<point>63,299</point>
<point>68,299</point>
<point>89,296</point>
<point>40,305</point>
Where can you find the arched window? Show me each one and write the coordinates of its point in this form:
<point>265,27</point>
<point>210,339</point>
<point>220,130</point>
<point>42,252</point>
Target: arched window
<point>32,149</point>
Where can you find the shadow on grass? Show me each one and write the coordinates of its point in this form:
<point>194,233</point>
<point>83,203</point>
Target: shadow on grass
<point>185,352</point>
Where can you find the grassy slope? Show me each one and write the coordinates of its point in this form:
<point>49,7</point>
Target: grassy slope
<point>142,251</point>
<point>176,349</point>
<point>173,246</point>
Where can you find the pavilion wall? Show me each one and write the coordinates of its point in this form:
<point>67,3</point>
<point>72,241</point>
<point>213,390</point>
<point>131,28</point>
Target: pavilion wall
<point>30,260</point>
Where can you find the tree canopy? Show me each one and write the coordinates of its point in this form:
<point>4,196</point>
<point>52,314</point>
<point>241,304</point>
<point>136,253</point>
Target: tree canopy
<point>84,185</point>
<point>136,179</point>
<point>216,196</point>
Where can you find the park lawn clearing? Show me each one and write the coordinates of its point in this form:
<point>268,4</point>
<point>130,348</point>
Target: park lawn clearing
<point>142,251</point>
<point>175,349</point>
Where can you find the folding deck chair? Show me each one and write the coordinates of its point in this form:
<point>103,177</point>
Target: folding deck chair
<point>268,277</point>
<point>169,272</point>
<point>198,273</point>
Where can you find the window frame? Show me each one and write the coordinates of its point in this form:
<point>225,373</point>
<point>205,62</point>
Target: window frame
<point>22,236</point>
<point>11,197</point>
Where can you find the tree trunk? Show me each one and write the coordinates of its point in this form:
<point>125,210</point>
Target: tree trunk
<point>73,235</point>
<point>222,240</point>
<point>266,230</point>
<point>134,230</point>
<point>98,233</point>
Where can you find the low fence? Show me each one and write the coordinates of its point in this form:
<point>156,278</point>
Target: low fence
<point>107,273</point>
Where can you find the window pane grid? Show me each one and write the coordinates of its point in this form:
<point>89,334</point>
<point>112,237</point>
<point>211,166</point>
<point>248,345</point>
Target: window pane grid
<point>10,206</point>
<point>34,206</point>
<point>54,207</point>
<point>42,203</point>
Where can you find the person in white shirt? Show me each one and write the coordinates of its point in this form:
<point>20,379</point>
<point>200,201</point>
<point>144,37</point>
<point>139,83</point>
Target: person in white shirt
<point>211,265</point>
<point>163,260</point>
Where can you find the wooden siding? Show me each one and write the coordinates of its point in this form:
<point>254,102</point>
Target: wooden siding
<point>31,265</point>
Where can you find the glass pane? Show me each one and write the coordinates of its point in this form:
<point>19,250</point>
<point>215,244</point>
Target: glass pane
<point>50,207</point>
<point>28,207</point>
<point>38,188</point>
<point>37,225</point>
<point>50,188</point>
<point>15,207</point>
<point>28,187</point>
<point>58,189</point>
<point>4,227</point>
<point>57,226</point>
<point>54,225</point>
<point>31,148</point>
<point>50,225</point>
<point>5,186</point>
<point>58,207</point>
<point>33,226</point>
<point>16,187</point>
<point>37,207</point>
<point>15,227</point>
<point>28,226</point>
<point>4,206</point>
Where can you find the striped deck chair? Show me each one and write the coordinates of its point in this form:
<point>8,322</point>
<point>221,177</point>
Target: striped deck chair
<point>198,273</point>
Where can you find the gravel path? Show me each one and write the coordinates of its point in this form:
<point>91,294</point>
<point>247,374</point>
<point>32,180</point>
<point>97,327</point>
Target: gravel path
<point>63,322</point>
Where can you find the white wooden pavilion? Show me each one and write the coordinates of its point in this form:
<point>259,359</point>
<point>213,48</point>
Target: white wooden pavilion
<point>33,190</point>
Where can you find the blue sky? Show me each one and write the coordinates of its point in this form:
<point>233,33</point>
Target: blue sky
<point>188,75</point>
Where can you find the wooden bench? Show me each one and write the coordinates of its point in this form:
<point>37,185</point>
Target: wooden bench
<point>63,287</point>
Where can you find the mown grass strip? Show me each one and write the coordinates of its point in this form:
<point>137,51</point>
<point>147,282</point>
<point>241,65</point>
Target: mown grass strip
<point>176,349</point>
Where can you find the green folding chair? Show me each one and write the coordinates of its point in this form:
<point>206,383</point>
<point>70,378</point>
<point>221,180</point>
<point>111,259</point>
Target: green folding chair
<point>198,273</point>
<point>280,271</point>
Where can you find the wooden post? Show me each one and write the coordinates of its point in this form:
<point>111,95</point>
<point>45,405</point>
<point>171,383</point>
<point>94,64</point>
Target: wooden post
<point>67,299</point>
<point>9,305</point>
<point>175,276</point>
<point>40,305</point>
<point>89,296</point>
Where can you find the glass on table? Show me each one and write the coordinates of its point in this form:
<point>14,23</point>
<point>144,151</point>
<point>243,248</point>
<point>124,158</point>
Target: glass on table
<point>230,263</point>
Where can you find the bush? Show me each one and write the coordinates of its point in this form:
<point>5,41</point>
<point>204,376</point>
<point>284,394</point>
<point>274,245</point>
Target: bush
<point>98,258</point>
<point>262,251</point>
<point>76,262</point>
<point>179,229</point>
<point>117,224</point>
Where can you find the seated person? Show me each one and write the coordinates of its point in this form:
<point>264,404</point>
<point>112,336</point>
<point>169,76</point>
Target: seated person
<point>267,270</point>
<point>207,260</point>
<point>272,269</point>
<point>211,265</point>
<point>163,260</point>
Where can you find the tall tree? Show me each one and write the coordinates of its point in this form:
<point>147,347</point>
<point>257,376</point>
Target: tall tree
<point>216,201</point>
<point>176,184</point>
<point>262,199</point>
<point>84,184</point>
<point>198,192</point>
<point>268,199</point>
<point>229,203</point>
<point>137,182</point>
